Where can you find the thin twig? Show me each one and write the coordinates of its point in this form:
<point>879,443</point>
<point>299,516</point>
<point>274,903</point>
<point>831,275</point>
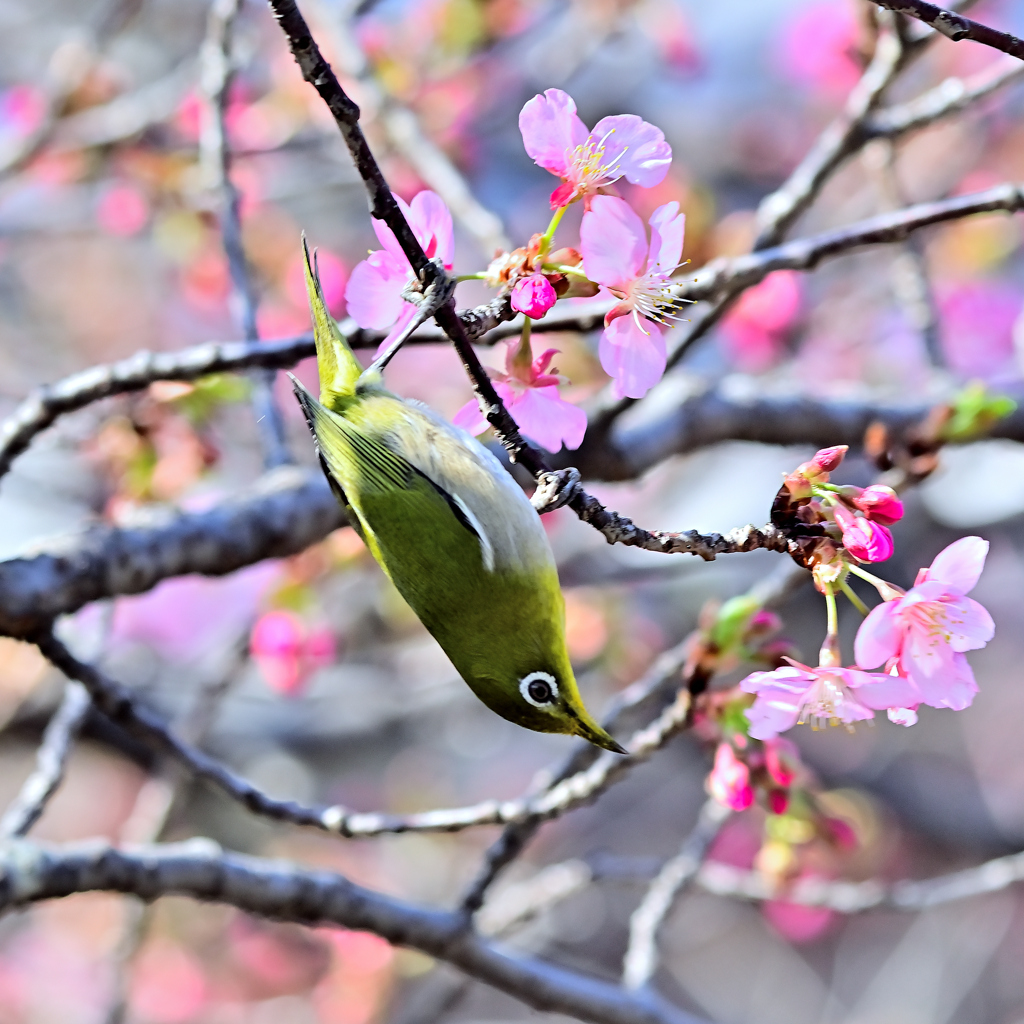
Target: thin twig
<point>641,960</point>
<point>778,212</point>
<point>215,160</point>
<point>952,96</point>
<point>118,705</point>
<point>51,759</point>
<point>956,26</point>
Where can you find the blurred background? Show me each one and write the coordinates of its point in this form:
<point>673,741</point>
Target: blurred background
<point>110,243</point>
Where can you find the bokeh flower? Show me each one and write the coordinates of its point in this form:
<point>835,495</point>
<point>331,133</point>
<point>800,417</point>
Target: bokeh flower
<point>288,651</point>
<point>924,633</point>
<point>621,146</point>
<point>824,695</point>
<point>616,255</point>
<point>532,398</point>
<point>729,781</point>
<point>374,292</point>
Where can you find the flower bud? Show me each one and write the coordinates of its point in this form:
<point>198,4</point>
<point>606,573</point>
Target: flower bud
<point>729,781</point>
<point>778,801</point>
<point>782,759</point>
<point>828,459</point>
<point>533,296</point>
<point>881,504</point>
<point>863,538</point>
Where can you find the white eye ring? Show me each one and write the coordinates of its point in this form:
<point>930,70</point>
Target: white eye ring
<point>539,677</point>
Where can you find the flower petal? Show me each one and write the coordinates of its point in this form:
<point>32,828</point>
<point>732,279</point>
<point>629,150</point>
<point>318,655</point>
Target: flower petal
<point>943,677</point>
<point>386,236</point>
<point>903,716</point>
<point>969,624</point>
<point>551,130</point>
<point>667,227</point>
<point>879,690</point>
<point>960,564</point>
<point>878,638</point>
<point>633,356</point>
<point>549,419</point>
<point>405,315</point>
<point>613,242</point>
<point>637,147</point>
<point>775,710</point>
<point>373,294</point>
<point>470,419</point>
<point>432,224</point>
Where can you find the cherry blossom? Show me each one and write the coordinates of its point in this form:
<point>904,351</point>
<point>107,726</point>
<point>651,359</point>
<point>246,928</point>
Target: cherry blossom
<point>620,146</point>
<point>531,396</point>
<point>924,633</point>
<point>288,651</point>
<point>796,693</point>
<point>616,255</point>
<point>729,781</point>
<point>374,291</point>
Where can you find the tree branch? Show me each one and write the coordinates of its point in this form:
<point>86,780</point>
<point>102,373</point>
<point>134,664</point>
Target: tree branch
<point>585,785</point>
<point>200,869</point>
<point>956,26</point>
<point>215,160</point>
<point>51,759</point>
<point>641,960</point>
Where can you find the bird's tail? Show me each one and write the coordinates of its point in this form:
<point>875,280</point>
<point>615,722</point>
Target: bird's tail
<point>338,366</point>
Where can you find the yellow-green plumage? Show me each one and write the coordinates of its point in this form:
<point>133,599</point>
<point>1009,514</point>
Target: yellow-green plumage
<point>453,531</point>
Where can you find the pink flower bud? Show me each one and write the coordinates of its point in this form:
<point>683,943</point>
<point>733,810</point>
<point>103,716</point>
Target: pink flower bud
<point>533,296</point>
<point>828,459</point>
<point>729,781</point>
<point>287,653</point>
<point>881,504</point>
<point>781,758</point>
<point>866,540</point>
<point>778,801</point>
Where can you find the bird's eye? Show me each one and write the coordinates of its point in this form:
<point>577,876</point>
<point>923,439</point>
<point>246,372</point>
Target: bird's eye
<point>539,688</point>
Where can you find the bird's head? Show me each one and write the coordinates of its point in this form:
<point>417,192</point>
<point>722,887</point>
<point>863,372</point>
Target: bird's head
<point>539,692</point>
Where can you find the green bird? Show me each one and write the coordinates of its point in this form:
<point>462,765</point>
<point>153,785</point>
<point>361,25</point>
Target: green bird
<point>453,531</point>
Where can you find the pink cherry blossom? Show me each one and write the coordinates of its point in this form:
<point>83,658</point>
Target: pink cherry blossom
<point>533,295</point>
<point>755,328</point>
<point>531,395</point>
<point>782,759</point>
<point>924,633</point>
<point>880,503</point>
<point>620,146</point>
<point>374,291</point>
<point>729,781</point>
<point>796,693</point>
<point>865,539</point>
<point>616,255</point>
<point>287,651</point>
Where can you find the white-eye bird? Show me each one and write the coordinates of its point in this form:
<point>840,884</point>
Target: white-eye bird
<point>453,531</point>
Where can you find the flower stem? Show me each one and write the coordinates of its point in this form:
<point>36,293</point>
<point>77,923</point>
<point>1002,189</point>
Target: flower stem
<point>830,654</point>
<point>886,590</point>
<point>853,598</point>
<point>545,239</point>
<point>522,358</point>
<point>471,277</point>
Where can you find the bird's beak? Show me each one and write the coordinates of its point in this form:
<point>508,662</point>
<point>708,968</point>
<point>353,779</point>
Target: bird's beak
<point>593,733</point>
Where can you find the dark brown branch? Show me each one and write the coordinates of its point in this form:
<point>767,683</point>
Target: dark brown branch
<point>318,73</point>
<point>276,889</point>
<point>51,759</point>
<point>956,26</point>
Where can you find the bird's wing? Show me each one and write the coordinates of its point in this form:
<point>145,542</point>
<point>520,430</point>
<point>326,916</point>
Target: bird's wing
<point>360,465</point>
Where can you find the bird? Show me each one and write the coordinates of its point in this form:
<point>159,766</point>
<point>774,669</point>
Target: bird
<point>452,530</point>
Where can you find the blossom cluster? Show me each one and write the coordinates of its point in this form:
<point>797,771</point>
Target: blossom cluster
<point>614,257</point>
<point>918,638</point>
